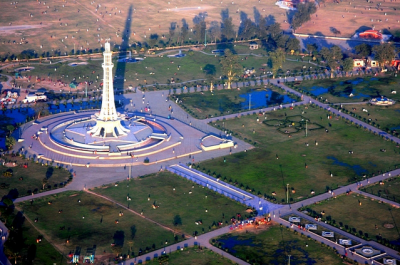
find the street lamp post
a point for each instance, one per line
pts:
(289, 259)
(287, 194)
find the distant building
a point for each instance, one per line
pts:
(289, 4)
(253, 46)
(371, 34)
(89, 257)
(396, 63)
(358, 62)
(371, 62)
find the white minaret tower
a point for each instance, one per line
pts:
(108, 120)
(108, 112)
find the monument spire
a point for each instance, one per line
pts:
(108, 121)
(108, 111)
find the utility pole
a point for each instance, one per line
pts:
(86, 89)
(205, 37)
(287, 197)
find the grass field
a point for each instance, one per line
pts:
(390, 190)
(24, 181)
(278, 159)
(193, 256)
(385, 118)
(357, 213)
(89, 221)
(363, 88)
(274, 245)
(44, 253)
(188, 200)
(152, 70)
(207, 104)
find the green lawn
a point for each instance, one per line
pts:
(274, 245)
(92, 222)
(390, 190)
(25, 244)
(363, 88)
(207, 104)
(357, 213)
(190, 207)
(24, 181)
(385, 118)
(153, 70)
(192, 256)
(278, 160)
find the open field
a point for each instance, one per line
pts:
(87, 221)
(386, 118)
(193, 256)
(24, 181)
(48, 23)
(349, 17)
(390, 190)
(278, 159)
(338, 90)
(356, 213)
(274, 245)
(174, 196)
(152, 70)
(25, 244)
(207, 104)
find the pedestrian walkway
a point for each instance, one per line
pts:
(262, 206)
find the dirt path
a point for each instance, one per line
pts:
(132, 211)
(56, 246)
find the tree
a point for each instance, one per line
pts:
(44, 182)
(8, 202)
(200, 31)
(172, 30)
(247, 29)
(262, 28)
(153, 40)
(184, 32)
(274, 29)
(303, 14)
(312, 48)
(227, 31)
(230, 66)
(348, 65)
(10, 128)
(210, 71)
(133, 231)
(292, 44)
(214, 30)
(177, 220)
(385, 52)
(40, 108)
(364, 50)
(280, 40)
(10, 142)
(276, 60)
(332, 56)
